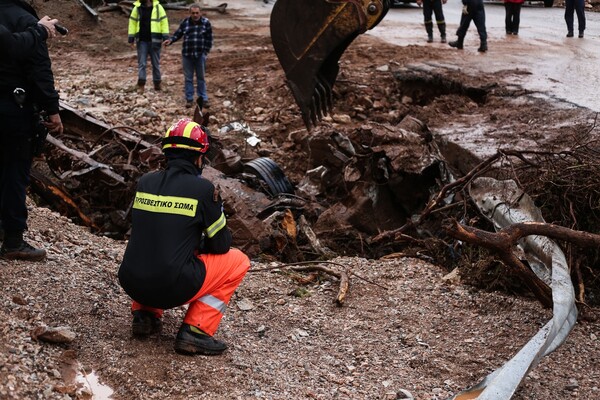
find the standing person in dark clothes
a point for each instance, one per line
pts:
(472, 11)
(148, 28)
(197, 34)
(180, 246)
(26, 85)
(571, 7)
(513, 16)
(434, 7)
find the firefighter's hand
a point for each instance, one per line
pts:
(48, 23)
(54, 124)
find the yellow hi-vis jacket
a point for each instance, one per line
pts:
(159, 24)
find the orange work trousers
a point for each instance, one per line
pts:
(224, 273)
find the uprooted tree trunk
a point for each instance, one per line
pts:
(503, 241)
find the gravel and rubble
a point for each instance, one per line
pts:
(415, 330)
(425, 333)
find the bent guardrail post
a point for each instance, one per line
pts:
(504, 204)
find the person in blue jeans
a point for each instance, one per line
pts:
(572, 6)
(148, 28)
(197, 42)
(472, 11)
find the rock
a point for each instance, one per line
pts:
(383, 68)
(342, 118)
(245, 305)
(60, 334)
(404, 394)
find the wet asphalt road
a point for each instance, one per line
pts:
(558, 67)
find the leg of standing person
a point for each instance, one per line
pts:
(155, 59)
(439, 19)
(516, 18)
(142, 51)
(16, 129)
(201, 81)
(461, 32)
(188, 78)
(427, 12)
(508, 17)
(580, 10)
(479, 20)
(569, 10)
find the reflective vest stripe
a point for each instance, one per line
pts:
(216, 226)
(213, 302)
(187, 132)
(165, 204)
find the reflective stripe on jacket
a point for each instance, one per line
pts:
(159, 23)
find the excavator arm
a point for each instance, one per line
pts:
(309, 37)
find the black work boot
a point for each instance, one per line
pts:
(429, 29)
(24, 251)
(145, 323)
(482, 47)
(15, 248)
(457, 44)
(442, 29)
(157, 86)
(191, 340)
(140, 86)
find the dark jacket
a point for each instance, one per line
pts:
(21, 45)
(176, 215)
(35, 73)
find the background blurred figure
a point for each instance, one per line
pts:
(148, 27)
(513, 16)
(434, 7)
(572, 6)
(197, 34)
(472, 11)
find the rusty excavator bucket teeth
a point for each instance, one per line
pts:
(309, 37)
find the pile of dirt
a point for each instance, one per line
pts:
(404, 326)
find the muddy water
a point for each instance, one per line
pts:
(560, 67)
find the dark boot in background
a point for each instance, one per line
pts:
(482, 47)
(442, 29)
(429, 29)
(458, 43)
(157, 86)
(15, 248)
(140, 86)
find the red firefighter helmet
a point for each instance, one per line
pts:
(186, 134)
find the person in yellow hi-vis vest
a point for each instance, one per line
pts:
(148, 28)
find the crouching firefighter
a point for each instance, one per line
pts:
(179, 250)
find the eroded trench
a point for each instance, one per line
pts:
(357, 182)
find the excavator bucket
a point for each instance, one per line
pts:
(309, 37)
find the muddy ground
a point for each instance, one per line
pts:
(403, 327)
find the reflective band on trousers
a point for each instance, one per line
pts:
(213, 302)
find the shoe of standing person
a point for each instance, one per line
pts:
(22, 251)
